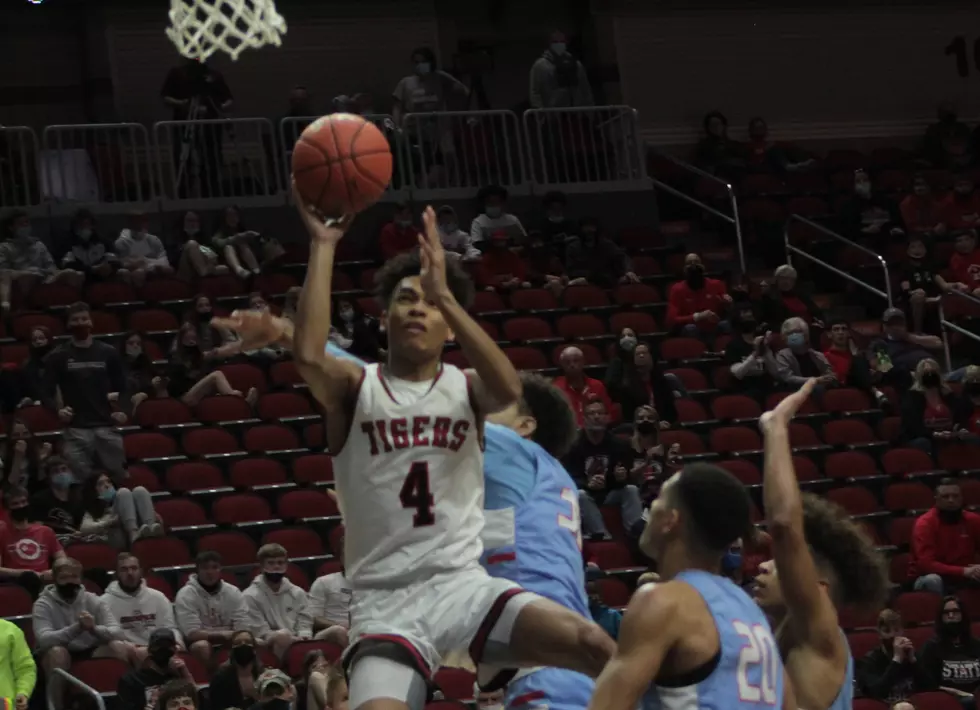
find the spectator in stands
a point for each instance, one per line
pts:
(968, 406)
(330, 599)
(278, 610)
(650, 463)
(544, 268)
(947, 142)
(140, 253)
(25, 262)
(322, 687)
(241, 247)
(426, 89)
(353, 331)
(782, 300)
(898, 354)
(597, 462)
(922, 286)
(140, 609)
(143, 378)
(18, 673)
(501, 269)
(216, 343)
(72, 623)
(928, 408)
(399, 235)
(300, 113)
(644, 383)
(716, 152)
(233, 685)
(609, 619)
(159, 666)
(208, 609)
(276, 691)
(849, 365)
(945, 543)
(577, 386)
(697, 305)
(745, 353)
(964, 265)
(962, 205)
(922, 212)
(455, 240)
(555, 224)
(118, 517)
(178, 695)
(189, 378)
(798, 361)
(195, 256)
(868, 216)
(952, 657)
(558, 79)
(59, 506)
(196, 90)
(891, 671)
(494, 217)
(89, 375)
(87, 253)
(591, 258)
(27, 550)
(32, 370)
(23, 458)
(764, 155)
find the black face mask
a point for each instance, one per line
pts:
(243, 655)
(931, 379)
(20, 515)
(204, 316)
(694, 276)
(950, 629)
(39, 351)
(951, 516)
(646, 428)
(274, 577)
(161, 656)
(747, 325)
(589, 237)
(68, 591)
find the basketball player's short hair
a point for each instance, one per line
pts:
(556, 429)
(176, 689)
(845, 553)
(271, 551)
(410, 264)
(207, 557)
(717, 507)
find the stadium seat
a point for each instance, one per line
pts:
(690, 410)
(244, 376)
(285, 374)
(900, 531)
(93, 555)
(155, 552)
(193, 476)
(100, 674)
(490, 329)
(691, 378)
(533, 299)
(776, 397)
(274, 283)
(806, 469)
(179, 512)
(39, 419)
(102, 293)
(23, 323)
(614, 592)
(159, 290)
(307, 503)
(235, 548)
(525, 358)
(208, 440)
(105, 323)
(970, 488)
(845, 399)
(959, 457)
(155, 581)
(299, 541)
(849, 464)
(935, 700)
(153, 320)
(488, 302)
(223, 408)
(735, 406)
(630, 295)
(148, 445)
(690, 443)
(608, 555)
(734, 439)
(856, 500)
(313, 468)
(900, 497)
(904, 461)
(744, 470)
(898, 568)
(270, 437)
(847, 432)
(240, 508)
(197, 669)
(802, 435)
(527, 328)
(160, 412)
(455, 683)
(673, 349)
(584, 297)
(293, 661)
(580, 325)
(282, 405)
(315, 435)
(866, 703)
(257, 472)
(640, 323)
(457, 358)
(15, 601)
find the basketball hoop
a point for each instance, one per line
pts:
(199, 28)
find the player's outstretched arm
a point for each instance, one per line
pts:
(789, 695)
(496, 384)
(811, 612)
(648, 631)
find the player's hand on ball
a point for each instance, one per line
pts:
(433, 275)
(257, 329)
(787, 409)
(321, 228)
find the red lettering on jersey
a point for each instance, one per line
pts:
(399, 433)
(382, 432)
(420, 426)
(460, 429)
(368, 428)
(440, 432)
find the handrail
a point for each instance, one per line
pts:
(947, 325)
(85, 688)
(886, 294)
(733, 201)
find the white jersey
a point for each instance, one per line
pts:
(410, 480)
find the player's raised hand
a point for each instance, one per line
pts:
(787, 409)
(257, 329)
(433, 275)
(321, 228)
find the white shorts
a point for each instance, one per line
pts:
(434, 617)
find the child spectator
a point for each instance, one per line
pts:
(922, 213)
(455, 240)
(119, 517)
(59, 506)
(500, 269)
(593, 259)
(962, 206)
(213, 341)
(495, 218)
(23, 458)
(697, 304)
(140, 253)
(208, 609)
(27, 550)
(178, 695)
(399, 235)
(25, 262)
(964, 265)
(557, 228)
(140, 609)
(279, 611)
(234, 683)
(32, 370)
(353, 331)
(143, 379)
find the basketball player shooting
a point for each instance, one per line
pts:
(696, 640)
(821, 560)
(407, 440)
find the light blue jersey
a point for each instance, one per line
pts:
(748, 672)
(846, 694)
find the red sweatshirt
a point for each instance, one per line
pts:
(593, 389)
(943, 548)
(683, 302)
(965, 268)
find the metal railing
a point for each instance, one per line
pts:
(67, 677)
(732, 219)
(452, 154)
(948, 325)
(97, 165)
(18, 167)
(582, 147)
(204, 161)
(791, 249)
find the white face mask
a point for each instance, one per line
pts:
(191, 229)
(347, 314)
(84, 234)
(23, 233)
(557, 47)
(863, 188)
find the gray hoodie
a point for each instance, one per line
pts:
(56, 621)
(140, 613)
(269, 610)
(199, 610)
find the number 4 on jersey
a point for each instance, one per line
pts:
(415, 493)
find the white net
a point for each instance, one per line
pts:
(199, 28)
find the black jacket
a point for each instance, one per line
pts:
(881, 678)
(226, 691)
(136, 687)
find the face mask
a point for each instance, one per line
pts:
(423, 68)
(449, 228)
(22, 233)
(963, 190)
(951, 516)
(556, 218)
(40, 350)
(347, 314)
(795, 340)
(950, 629)
(134, 350)
(646, 428)
(627, 342)
(694, 276)
(594, 428)
(403, 223)
(558, 47)
(20, 515)
(204, 314)
(731, 562)
(191, 229)
(81, 332)
(161, 656)
(63, 479)
(108, 495)
(494, 212)
(273, 577)
(863, 189)
(68, 591)
(588, 236)
(747, 325)
(243, 655)
(915, 254)
(84, 234)
(931, 379)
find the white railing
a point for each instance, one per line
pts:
(948, 326)
(66, 677)
(18, 168)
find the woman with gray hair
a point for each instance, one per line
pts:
(782, 300)
(797, 362)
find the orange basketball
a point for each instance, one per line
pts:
(341, 164)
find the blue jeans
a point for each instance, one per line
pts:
(628, 500)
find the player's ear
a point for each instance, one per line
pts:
(526, 425)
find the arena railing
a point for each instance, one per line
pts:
(203, 162)
(948, 325)
(726, 187)
(585, 148)
(792, 249)
(66, 677)
(103, 167)
(291, 127)
(19, 182)
(452, 154)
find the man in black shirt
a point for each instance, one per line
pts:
(891, 671)
(598, 462)
(745, 354)
(90, 377)
(139, 688)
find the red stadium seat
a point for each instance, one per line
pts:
(105, 323)
(802, 435)
(274, 283)
(629, 295)
(584, 297)
(640, 323)
(527, 328)
(732, 439)
(533, 299)
(102, 293)
(735, 406)
(293, 662)
(15, 601)
(490, 329)
(691, 378)
(900, 497)
(917, 607)
(281, 405)
(488, 302)
(456, 358)
(935, 700)
(153, 320)
(235, 548)
(900, 531)
(970, 488)
(100, 674)
(580, 325)
(645, 265)
(525, 358)
(862, 642)
(142, 476)
(93, 555)
(223, 408)
(745, 471)
(682, 349)
(148, 445)
(305, 504)
(240, 508)
(193, 476)
(208, 440)
(14, 353)
(690, 410)
(23, 323)
(313, 468)
(845, 399)
(806, 469)
(850, 464)
(299, 542)
(614, 592)
(455, 683)
(903, 461)
(158, 290)
(39, 419)
(856, 500)
(159, 412)
(270, 437)
(177, 512)
(608, 555)
(776, 397)
(898, 568)
(689, 442)
(155, 581)
(243, 377)
(890, 428)
(314, 435)
(844, 432)
(257, 472)
(285, 374)
(959, 457)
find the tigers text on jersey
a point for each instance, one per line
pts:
(410, 479)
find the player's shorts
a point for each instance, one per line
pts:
(433, 617)
(549, 689)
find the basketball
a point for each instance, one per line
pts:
(341, 164)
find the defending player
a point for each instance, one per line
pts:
(695, 640)
(820, 560)
(407, 442)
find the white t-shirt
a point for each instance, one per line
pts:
(330, 598)
(484, 227)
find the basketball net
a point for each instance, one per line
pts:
(199, 28)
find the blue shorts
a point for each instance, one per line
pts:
(552, 688)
